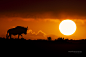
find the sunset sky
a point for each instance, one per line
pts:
(42, 17)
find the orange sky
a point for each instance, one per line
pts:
(41, 28)
(43, 17)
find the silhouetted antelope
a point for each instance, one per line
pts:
(16, 31)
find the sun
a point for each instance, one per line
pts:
(67, 27)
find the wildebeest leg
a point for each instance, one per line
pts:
(18, 36)
(6, 36)
(21, 36)
(10, 36)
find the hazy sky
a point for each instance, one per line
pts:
(42, 17)
(43, 8)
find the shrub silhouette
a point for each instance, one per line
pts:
(49, 38)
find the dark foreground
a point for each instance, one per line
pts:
(10, 47)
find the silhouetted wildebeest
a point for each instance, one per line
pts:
(16, 31)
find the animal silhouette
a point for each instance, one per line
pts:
(16, 31)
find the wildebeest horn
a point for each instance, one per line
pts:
(27, 26)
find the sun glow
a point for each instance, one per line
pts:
(67, 27)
